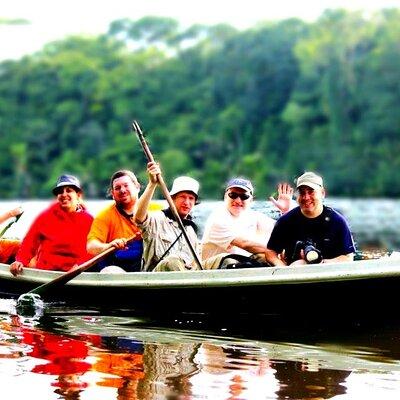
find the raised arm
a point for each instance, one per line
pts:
(153, 170)
(285, 196)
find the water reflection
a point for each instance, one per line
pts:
(94, 356)
(51, 354)
(122, 368)
(234, 371)
(305, 380)
(168, 369)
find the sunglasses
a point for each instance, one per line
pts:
(242, 196)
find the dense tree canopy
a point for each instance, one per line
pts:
(268, 103)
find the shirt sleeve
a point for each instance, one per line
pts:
(99, 229)
(30, 244)
(347, 243)
(276, 241)
(148, 226)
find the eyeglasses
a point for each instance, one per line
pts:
(242, 196)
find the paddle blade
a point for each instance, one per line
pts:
(29, 305)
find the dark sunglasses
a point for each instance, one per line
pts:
(242, 196)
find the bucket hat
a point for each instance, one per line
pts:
(67, 180)
(185, 184)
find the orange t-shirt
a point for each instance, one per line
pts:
(109, 224)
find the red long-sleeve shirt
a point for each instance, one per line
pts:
(57, 238)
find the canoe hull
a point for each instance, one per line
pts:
(364, 288)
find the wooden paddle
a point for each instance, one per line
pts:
(75, 271)
(165, 191)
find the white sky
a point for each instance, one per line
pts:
(55, 19)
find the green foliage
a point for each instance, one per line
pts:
(266, 103)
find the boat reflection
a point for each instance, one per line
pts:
(94, 356)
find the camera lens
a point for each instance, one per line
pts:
(311, 255)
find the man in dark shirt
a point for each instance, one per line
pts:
(312, 223)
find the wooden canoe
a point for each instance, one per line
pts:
(366, 287)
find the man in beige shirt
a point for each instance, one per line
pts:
(165, 247)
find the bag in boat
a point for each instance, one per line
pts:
(237, 261)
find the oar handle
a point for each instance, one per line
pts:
(142, 141)
(165, 191)
(75, 271)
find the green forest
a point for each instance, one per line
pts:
(267, 103)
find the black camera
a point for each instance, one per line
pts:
(311, 254)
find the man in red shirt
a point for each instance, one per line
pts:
(56, 239)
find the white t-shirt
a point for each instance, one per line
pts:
(222, 228)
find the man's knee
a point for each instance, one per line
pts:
(171, 263)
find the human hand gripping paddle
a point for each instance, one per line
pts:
(165, 191)
(13, 221)
(32, 298)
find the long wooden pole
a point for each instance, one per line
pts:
(165, 191)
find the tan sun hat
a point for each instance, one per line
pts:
(311, 180)
(185, 184)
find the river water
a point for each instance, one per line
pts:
(90, 354)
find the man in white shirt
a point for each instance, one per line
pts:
(237, 229)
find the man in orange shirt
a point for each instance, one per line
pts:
(114, 225)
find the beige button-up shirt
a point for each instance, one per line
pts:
(159, 232)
